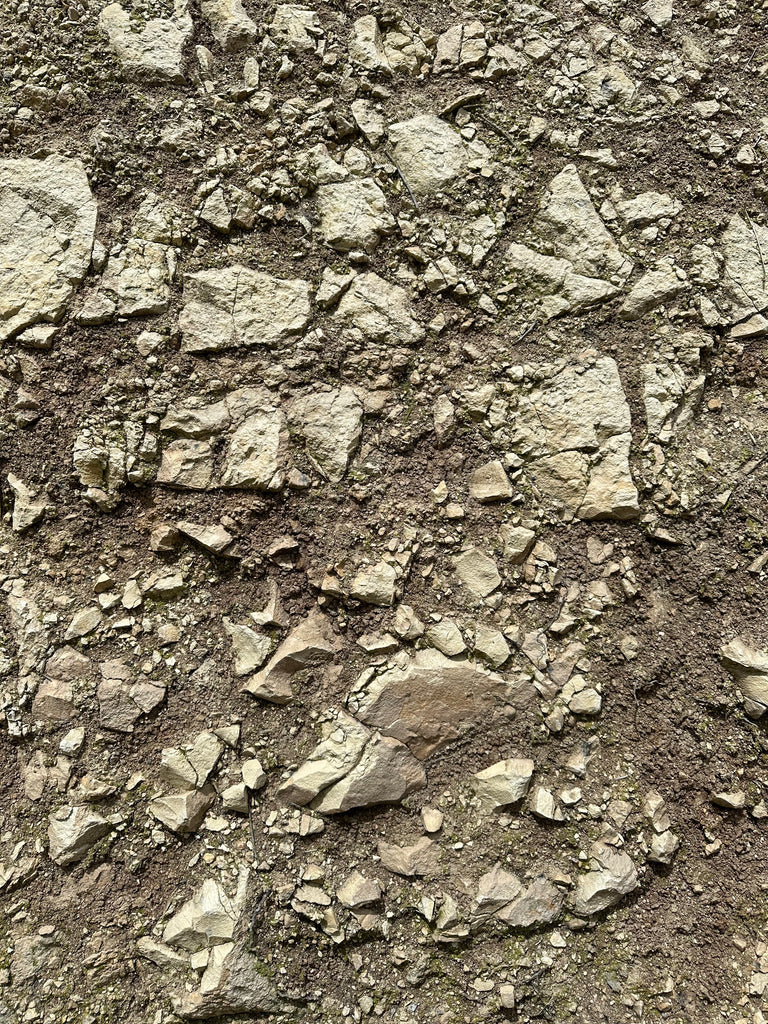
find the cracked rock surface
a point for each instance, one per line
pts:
(383, 512)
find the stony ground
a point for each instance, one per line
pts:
(384, 520)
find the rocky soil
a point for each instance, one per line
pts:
(383, 511)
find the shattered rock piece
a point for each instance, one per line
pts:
(366, 46)
(428, 700)
(612, 876)
(478, 572)
(47, 228)
(359, 891)
(295, 28)
(352, 767)
(183, 812)
(503, 783)
(73, 832)
(353, 214)
(331, 424)
(543, 804)
(490, 483)
(422, 858)
(647, 207)
(206, 920)
(212, 538)
(749, 668)
(232, 985)
(154, 53)
(429, 152)
(232, 28)
(26, 511)
(236, 307)
(380, 310)
(311, 643)
(190, 766)
(122, 701)
(251, 649)
(654, 288)
(540, 903)
(375, 584)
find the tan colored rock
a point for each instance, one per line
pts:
(353, 214)
(47, 226)
(310, 644)
(154, 52)
(430, 153)
(359, 891)
(183, 812)
(428, 700)
(422, 858)
(331, 424)
(490, 483)
(213, 538)
(503, 783)
(478, 572)
(73, 832)
(208, 919)
(749, 668)
(538, 904)
(375, 584)
(612, 876)
(379, 310)
(232, 28)
(251, 649)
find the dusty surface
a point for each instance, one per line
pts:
(383, 473)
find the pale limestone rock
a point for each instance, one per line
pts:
(430, 153)
(574, 426)
(670, 397)
(612, 876)
(428, 700)
(187, 464)
(379, 310)
(212, 538)
(543, 804)
(516, 541)
(749, 668)
(331, 424)
(236, 307)
(47, 226)
(565, 290)
(490, 645)
(490, 483)
(503, 783)
(251, 649)
(446, 636)
(254, 776)
(73, 832)
(123, 700)
(648, 207)
(83, 622)
(375, 584)
(359, 891)
(496, 889)
(658, 11)
(295, 28)
(137, 280)
(422, 858)
(403, 48)
(155, 52)
(206, 920)
(183, 812)
(311, 643)
(539, 903)
(215, 212)
(190, 766)
(369, 120)
(745, 281)
(654, 289)
(407, 624)
(478, 572)
(255, 457)
(353, 214)
(608, 85)
(231, 26)
(231, 985)
(26, 510)
(569, 218)
(353, 767)
(366, 46)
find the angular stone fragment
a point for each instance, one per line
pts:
(183, 812)
(490, 483)
(295, 28)
(155, 52)
(422, 858)
(428, 700)
(612, 876)
(47, 226)
(517, 541)
(503, 783)
(26, 511)
(647, 208)
(311, 643)
(206, 920)
(73, 832)
(233, 985)
(187, 464)
(212, 538)
(429, 152)
(375, 584)
(123, 699)
(255, 456)
(137, 279)
(251, 649)
(538, 904)
(478, 572)
(359, 891)
(232, 28)
(353, 214)
(366, 46)
(496, 889)
(190, 766)
(565, 290)
(331, 424)
(749, 668)
(574, 425)
(353, 767)
(542, 803)
(654, 288)
(53, 701)
(236, 307)
(379, 310)
(568, 216)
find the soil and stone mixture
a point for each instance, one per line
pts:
(383, 511)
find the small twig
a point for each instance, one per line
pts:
(463, 101)
(749, 59)
(497, 128)
(403, 179)
(528, 330)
